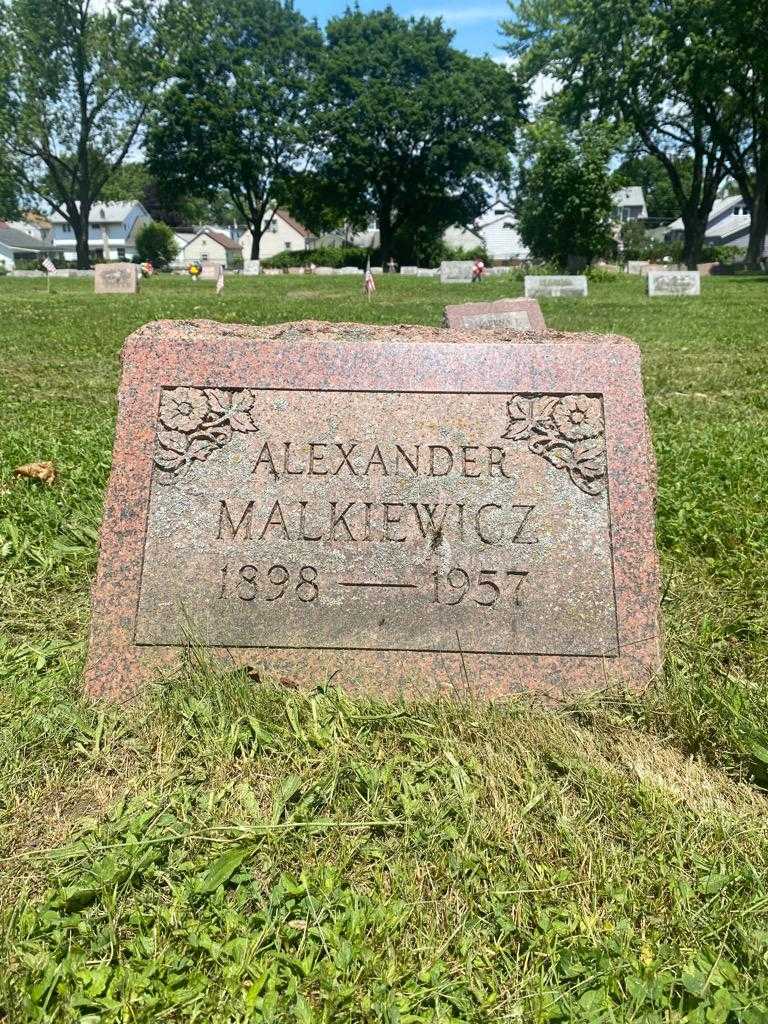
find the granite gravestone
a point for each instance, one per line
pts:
(638, 266)
(456, 271)
(399, 508)
(251, 268)
(552, 286)
(116, 278)
(409, 271)
(674, 282)
(513, 314)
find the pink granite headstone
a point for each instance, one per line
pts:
(506, 314)
(116, 278)
(396, 508)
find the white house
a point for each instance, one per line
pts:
(112, 230)
(496, 230)
(728, 224)
(629, 204)
(210, 246)
(18, 245)
(283, 234)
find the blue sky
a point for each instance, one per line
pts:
(476, 25)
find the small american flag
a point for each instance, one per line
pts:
(369, 285)
(48, 266)
(220, 281)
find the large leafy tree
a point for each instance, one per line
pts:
(75, 86)
(237, 113)
(737, 102)
(10, 190)
(564, 193)
(645, 65)
(649, 173)
(414, 132)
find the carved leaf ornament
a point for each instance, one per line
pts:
(569, 432)
(194, 422)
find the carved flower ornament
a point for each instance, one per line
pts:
(195, 422)
(569, 432)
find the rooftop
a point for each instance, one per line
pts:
(630, 196)
(104, 213)
(20, 239)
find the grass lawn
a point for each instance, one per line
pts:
(222, 851)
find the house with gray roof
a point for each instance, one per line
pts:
(728, 224)
(18, 245)
(112, 231)
(629, 204)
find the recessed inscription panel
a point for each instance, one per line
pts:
(373, 520)
(518, 321)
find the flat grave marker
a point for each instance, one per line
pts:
(116, 278)
(673, 282)
(556, 286)
(512, 314)
(399, 508)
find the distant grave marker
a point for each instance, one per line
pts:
(456, 271)
(674, 282)
(389, 507)
(556, 286)
(116, 278)
(510, 314)
(638, 266)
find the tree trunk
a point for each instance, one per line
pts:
(386, 233)
(80, 228)
(255, 240)
(695, 230)
(759, 223)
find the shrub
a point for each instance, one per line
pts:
(344, 256)
(155, 242)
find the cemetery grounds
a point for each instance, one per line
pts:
(228, 849)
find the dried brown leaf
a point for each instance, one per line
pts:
(45, 472)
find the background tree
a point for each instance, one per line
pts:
(236, 115)
(737, 83)
(649, 173)
(645, 65)
(10, 190)
(156, 242)
(414, 133)
(565, 194)
(75, 85)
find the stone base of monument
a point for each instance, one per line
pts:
(509, 314)
(251, 268)
(396, 509)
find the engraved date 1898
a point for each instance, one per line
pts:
(270, 584)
